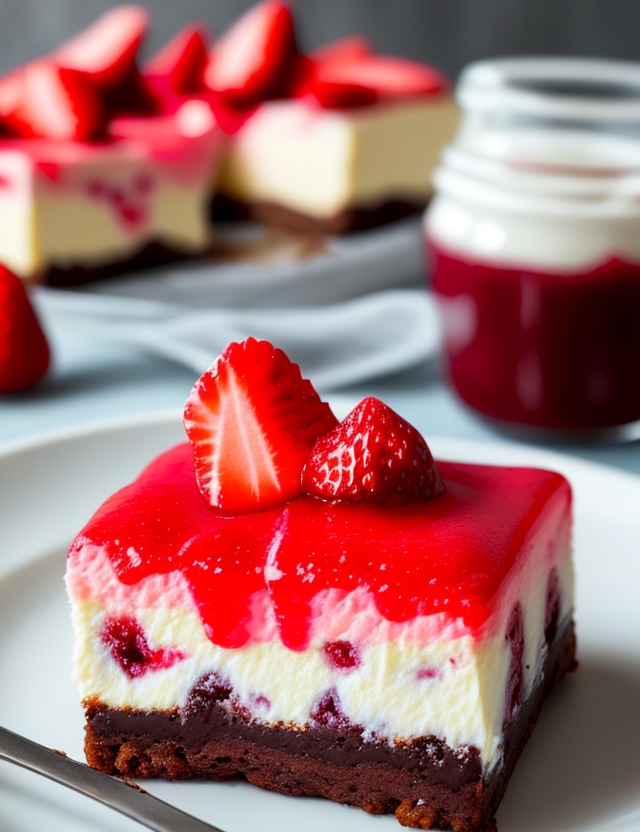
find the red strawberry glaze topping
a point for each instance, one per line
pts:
(77, 92)
(447, 555)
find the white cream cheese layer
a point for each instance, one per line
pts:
(320, 162)
(427, 676)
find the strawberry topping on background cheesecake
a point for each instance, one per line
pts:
(96, 167)
(105, 165)
(333, 141)
(320, 607)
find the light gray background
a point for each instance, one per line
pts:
(447, 33)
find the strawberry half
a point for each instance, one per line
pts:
(24, 352)
(107, 49)
(49, 101)
(251, 60)
(334, 95)
(373, 455)
(382, 76)
(182, 62)
(252, 420)
(11, 91)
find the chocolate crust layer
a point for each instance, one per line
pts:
(357, 218)
(425, 783)
(156, 254)
(150, 256)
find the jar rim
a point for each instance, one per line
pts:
(454, 182)
(550, 180)
(553, 87)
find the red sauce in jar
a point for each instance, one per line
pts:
(556, 350)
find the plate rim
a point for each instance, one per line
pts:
(171, 416)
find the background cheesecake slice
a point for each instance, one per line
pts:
(306, 167)
(332, 141)
(70, 211)
(98, 167)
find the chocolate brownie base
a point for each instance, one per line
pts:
(425, 783)
(351, 219)
(150, 256)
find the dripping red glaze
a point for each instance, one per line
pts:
(447, 555)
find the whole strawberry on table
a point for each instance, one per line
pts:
(24, 351)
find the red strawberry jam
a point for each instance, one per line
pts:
(552, 350)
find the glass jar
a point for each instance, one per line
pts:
(534, 243)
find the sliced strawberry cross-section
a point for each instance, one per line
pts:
(181, 62)
(251, 60)
(107, 49)
(373, 455)
(252, 420)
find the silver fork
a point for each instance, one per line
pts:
(126, 798)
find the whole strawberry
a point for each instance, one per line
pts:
(24, 352)
(373, 455)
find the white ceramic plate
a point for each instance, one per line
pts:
(277, 269)
(580, 771)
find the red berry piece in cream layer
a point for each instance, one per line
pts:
(341, 655)
(251, 61)
(128, 645)
(252, 420)
(373, 455)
